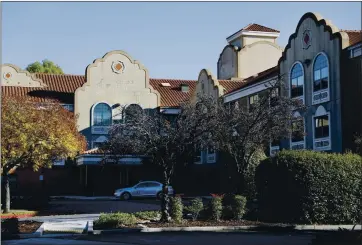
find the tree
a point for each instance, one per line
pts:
(240, 130)
(34, 135)
(164, 140)
(46, 66)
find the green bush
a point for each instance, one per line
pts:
(239, 207)
(310, 187)
(176, 209)
(195, 207)
(148, 215)
(114, 220)
(216, 208)
(249, 175)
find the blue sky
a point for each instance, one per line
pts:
(172, 39)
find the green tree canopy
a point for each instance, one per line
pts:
(46, 66)
(34, 135)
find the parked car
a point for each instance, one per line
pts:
(142, 189)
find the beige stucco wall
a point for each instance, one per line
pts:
(208, 85)
(130, 85)
(12, 75)
(247, 40)
(228, 63)
(257, 57)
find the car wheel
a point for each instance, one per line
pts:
(159, 195)
(126, 196)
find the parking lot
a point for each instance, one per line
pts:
(98, 206)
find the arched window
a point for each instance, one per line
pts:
(297, 139)
(320, 73)
(297, 81)
(132, 112)
(102, 115)
(321, 124)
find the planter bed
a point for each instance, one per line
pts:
(253, 225)
(23, 227)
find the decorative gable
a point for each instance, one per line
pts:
(12, 75)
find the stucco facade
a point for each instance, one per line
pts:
(315, 36)
(115, 79)
(241, 58)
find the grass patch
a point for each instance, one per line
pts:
(148, 215)
(115, 220)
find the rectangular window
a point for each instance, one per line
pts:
(321, 129)
(297, 130)
(274, 97)
(297, 87)
(252, 100)
(356, 52)
(197, 154)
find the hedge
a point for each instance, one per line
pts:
(310, 187)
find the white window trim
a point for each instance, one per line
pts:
(302, 98)
(302, 142)
(272, 149)
(210, 155)
(353, 48)
(321, 111)
(315, 102)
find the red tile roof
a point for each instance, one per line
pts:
(271, 72)
(172, 95)
(62, 88)
(230, 85)
(255, 27)
(355, 36)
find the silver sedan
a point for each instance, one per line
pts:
(142, 189)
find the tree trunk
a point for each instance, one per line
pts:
(7, 193)
(165, 199)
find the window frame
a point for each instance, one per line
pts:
(325, 90)
(297, 116)
(321, 111)
(93, 115)
(301, 97)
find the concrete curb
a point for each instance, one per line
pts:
(226, 229)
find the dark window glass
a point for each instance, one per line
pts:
(153, 185)
(252, 100)
(132, 112)
(297, 130)
(297, 80)
(321, 129)
(102, 115)
(320, 71)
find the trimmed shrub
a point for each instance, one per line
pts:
(148, 215)
(176, 209)
(249, 175)
(239, 207)
(216, 208)
(310, 187)
(195, 207)
(114, 220)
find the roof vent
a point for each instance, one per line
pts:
(165, 85)
(185, 88)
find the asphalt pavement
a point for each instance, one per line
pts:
(175, 238)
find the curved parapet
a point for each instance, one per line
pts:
(11, 75)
